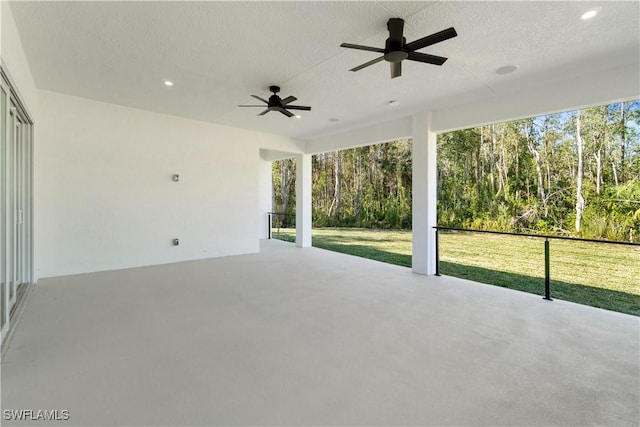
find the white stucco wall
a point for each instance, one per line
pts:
(106, 199)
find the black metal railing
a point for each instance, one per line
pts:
(278, 220)
(547, 238)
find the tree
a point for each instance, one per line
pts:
(571, 173)
(579, 175)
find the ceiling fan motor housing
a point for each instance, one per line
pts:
(394, 51)
(274, 100)
(397, 49)
(394, 46)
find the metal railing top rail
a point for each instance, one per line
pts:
(541, 236)
(281, 213)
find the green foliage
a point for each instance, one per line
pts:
(521, 175)
(514, 176)
(284, 184)
(363, 187)
(615, 214)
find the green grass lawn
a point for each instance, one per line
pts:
(600, 275)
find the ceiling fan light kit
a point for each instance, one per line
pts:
(397, 49)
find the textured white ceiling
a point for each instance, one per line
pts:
(218, 53)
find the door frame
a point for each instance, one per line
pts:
(16, 183)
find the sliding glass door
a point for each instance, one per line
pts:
(4, 126)
(16, 215)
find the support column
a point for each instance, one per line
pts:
(424, 194)
(266, 197)
(303, 200)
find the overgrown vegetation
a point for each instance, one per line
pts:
(363, 187)
(574, 173)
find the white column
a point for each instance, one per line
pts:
(266, 197)
(424, 195)
(303, 200)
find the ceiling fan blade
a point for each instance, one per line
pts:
(396, 69)
(360, 47)
(250, 105)
(288, 99)
(366, 64)
(298, 107)
(429, 59)
(265, 111)
(263, 100)
(432, 39)
(396, 28)
(285, 112)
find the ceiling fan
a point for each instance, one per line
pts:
(397, 49)
(276, 104)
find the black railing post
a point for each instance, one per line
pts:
(437, 254)
(280, 222)
(269, 224)
(547, 280)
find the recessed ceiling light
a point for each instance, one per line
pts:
(507, 69)
(589, 14)
(333, 119)
(298, 116)
(168, 83)
(393, 103)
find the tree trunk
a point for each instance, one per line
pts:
(579, 173)
(284, 185)
(358, 181)
(623, 139)
(548, 158)
(325, 198)
(540, 183)
(335, 204)
(502, 171)
(477, 176)
(492, 158)
(598, 157)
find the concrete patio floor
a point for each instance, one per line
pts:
(309, 337)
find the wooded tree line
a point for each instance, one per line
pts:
(361, 187)
(574, 173)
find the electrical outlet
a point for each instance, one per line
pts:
(176, 242)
